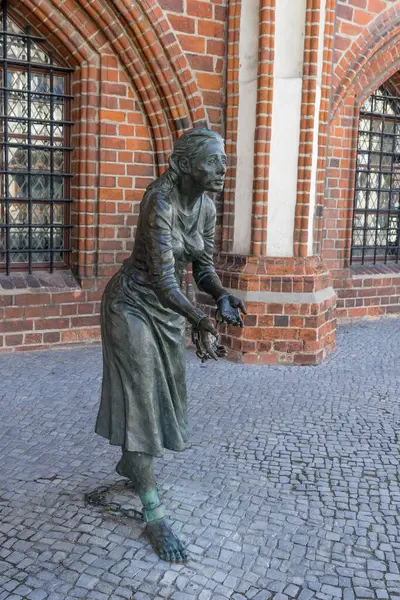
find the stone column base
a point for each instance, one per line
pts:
(291, 309)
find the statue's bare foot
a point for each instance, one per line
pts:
(164, 542)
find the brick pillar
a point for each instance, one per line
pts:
(287, 289)
(291, 309)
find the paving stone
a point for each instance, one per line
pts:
(37, 595)
(333, 591)
(22, 590)
(362, 592)
(9, 585)
(288, 488)
(87, 581)
(291, 590)
(306, 595)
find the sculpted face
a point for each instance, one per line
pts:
(208, 169)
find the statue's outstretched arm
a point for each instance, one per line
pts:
(207, 280)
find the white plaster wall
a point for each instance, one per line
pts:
(248, 67)
(290, 24)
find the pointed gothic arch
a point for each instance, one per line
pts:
(144, 43)
(371, 59)
(138, 36)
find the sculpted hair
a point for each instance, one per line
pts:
(187, 146)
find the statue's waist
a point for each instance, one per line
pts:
(144, 277)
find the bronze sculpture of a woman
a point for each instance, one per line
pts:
(143, 405)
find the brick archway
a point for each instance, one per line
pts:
(89, 36)
(151, 54)
(176, 66)
(369, 60)
(342, 151)
(147, 47)
(372, 59)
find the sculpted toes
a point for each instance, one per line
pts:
(165, 543)
(163, 555)
(177, 555)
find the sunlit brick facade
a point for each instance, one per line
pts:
(285, 83)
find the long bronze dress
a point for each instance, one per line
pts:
(143, 402)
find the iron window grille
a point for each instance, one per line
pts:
(376, 215)
(34, 153)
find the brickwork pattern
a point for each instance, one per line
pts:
(125, 167)
(200, 28)
(140, 79)
(369, 56)
(318, 46)
(368, 291)
(353, 22)
(42, 310)
(231, 126)
(288, 489)
(279, 331)
(263, 127)
(263, 124)
(146, 71)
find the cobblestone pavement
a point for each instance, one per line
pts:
(289, 487)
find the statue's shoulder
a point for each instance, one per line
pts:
(158, 199)
(156, 208)
(209, 207)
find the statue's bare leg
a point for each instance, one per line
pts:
(121, 469)
(138, 467)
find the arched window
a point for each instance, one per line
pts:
(376, 217)
(35, 153)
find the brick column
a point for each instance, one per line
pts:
(287, 288)
(291, 309)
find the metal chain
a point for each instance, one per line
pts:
(98, 498)
(200, 351)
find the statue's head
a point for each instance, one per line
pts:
(200, 155)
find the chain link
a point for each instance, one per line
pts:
(213, 341)
(200, 351)
(98, 498)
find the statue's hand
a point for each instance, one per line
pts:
(207, 332)
(229, 308)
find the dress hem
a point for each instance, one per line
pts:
(139, 449)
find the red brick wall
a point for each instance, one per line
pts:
(123, 165)
(231, 128)
(200, 27)
(317, 70)
(139, 81)
(352, 18)
(159, 68)
(263, 123)
(263, 127)
(296, 325)
(366, 55)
